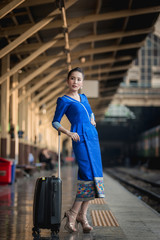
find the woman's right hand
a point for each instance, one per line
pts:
(75, 137)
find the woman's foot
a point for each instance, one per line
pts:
(71, 220)
(81, 218)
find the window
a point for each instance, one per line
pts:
(134, 82)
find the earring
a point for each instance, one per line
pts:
(81, 87)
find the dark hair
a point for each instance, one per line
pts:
(77, 69)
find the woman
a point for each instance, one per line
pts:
(86, 148)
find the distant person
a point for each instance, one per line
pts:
(45, 157)
(86, 148)
(31, 159)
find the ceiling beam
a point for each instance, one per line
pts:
(102, 61)
(31, 57)
(48, 89)
(28, 3)
(110, 36)
(97, 62)
(36, 27)
(83, 20)
(90, 63)
(51, 69)
(114, 15)
(40, 83)
(37, 72)
(47, 98)
(115, 76)
(41, 59)
(74, 55)
(107, 69)
(86, 39)
(105, 49)
(27, 60)
(9, 7)
(33, 75)
(106, 89)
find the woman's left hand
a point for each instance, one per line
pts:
(93, 122)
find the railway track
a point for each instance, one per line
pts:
(146, 190)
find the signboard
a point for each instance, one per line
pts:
(91, 88)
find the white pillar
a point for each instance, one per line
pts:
(15, 114)
(5, 150)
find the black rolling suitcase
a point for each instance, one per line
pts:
(47, 202)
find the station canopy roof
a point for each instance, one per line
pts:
(104, 38)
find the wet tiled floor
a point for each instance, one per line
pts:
(16, 203)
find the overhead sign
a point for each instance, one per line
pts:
(91, 88)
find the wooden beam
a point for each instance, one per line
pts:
(48, 89)
(66, 36)
(81, 65)
(114, 15)
(36, 27)
(28, 3)
(87, 52)
(34, 74)
(74, 55)
(109, 88)
(49, 70)
(9, 7)
(33, 56)
(40, 70)
(27, 48)
(40, 83)
(115, 76)
(89, 38)
(108, 69)
(84, 19)
(97, 62)
(27, 60)
(102, 62)
(41, 59)
(50, 104)
(109, 36)
(46, 99)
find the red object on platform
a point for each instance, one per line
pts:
(5, 171)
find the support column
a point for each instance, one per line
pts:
(14, 122)
(28, 121)
(28, 128)
(5, 151)
(21, 120)
(36, 138)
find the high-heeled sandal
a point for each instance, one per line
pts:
(70, 222)
(81, 218)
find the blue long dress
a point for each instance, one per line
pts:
(87, 150)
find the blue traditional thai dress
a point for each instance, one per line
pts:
(87, 150)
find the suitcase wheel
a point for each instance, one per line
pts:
(54, 235)
(55, 230)
(36, 232)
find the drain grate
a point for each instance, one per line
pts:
(98, 201)
(103, 218)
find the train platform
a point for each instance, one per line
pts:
(119, 216)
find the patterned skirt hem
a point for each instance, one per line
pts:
(88, 190)
(84, 199)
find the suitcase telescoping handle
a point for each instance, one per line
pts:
(59, 154)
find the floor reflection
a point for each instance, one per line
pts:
(68, 236)
(47, 238)
(16, 210)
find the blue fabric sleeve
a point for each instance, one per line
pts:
(56, 125)
(60, 111)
